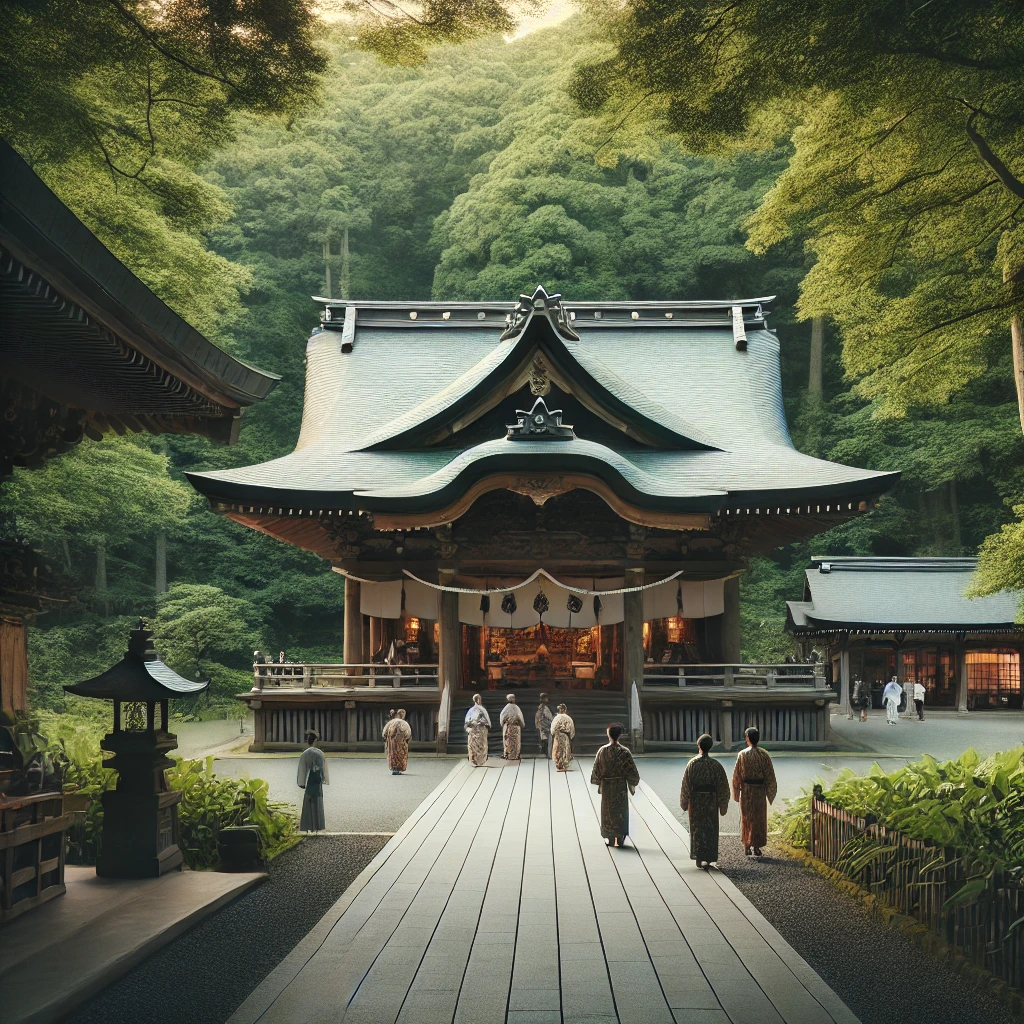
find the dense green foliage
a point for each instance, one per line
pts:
(474, 175)
(970, 806)
(209, 802)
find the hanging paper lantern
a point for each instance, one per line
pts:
(597, 608)
(508, 606)
(575, 606)
(541, 603)
(485, 603)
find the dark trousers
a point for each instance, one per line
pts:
(919, 704)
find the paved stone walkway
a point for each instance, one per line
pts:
(498, 901)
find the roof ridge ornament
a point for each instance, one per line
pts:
(540, 424)
(550, 305)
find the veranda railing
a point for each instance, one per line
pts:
(918, 879)
(307, 676)
(764, 677)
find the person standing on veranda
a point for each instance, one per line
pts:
(512, 725)
(542, 723)
(563, 732)
(478, 724)
(919, 693)
(312, 778)
(616, 777)
(753, 788)
(704, 795)
(397, 733)
(892, 696)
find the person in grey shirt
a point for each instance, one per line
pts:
(312, 778)
(542, 723)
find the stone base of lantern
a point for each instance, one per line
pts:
(141, 838)
(140, 835)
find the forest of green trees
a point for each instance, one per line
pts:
(488, 168)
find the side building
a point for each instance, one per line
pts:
(542, 495)
(85, 349)
(908, 618)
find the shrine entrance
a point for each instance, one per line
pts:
(542, 657)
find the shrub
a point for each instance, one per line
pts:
(209, 802)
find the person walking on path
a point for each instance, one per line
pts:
(616, 777)
(862, 698)
(311, 779)
(563, 732)
(919, 693)
(478, 724)
(892, 696)
(542, 723)
(397, 733)
(753, 788)
(512, 725)
(704, 795)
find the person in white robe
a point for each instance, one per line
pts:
(478, 725)
(512, 724)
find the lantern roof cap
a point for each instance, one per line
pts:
(139, 676)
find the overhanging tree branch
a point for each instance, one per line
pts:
(988, 157)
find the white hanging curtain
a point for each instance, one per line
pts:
(700, 600)
(381, 600)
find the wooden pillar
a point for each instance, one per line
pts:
(961, 676)
(13, 665)
(633, 632)
(353, 641)
(731, 642)
(449, 658)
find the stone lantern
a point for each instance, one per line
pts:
(140, 817)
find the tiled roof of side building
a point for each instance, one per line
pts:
(695, 401)
(897, 593)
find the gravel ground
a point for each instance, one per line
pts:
(203, 976)
(881, 975)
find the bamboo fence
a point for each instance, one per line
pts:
(917, 878)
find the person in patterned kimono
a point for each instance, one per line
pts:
(563, 732)
(397, 733)
(616, 777)
(512, 724)
(753, 788)
(704, 795)
(478, 724)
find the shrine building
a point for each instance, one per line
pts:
(542, 495)
(909, 619)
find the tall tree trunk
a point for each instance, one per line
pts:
(101, 577)
(344, 266)
(954, 512)
(327, 267)
(1017, 344)
(67, 552)
(814, 378)
(161, 562)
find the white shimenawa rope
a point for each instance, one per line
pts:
(519, 586)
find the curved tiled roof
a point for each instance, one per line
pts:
(694, 418)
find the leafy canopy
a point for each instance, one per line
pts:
(909, 136)
(195, 622)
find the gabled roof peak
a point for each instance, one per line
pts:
(539, 302)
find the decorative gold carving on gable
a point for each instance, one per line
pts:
(541, 487)
(540, 379)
